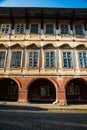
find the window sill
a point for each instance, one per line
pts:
(79, 36)
(14, 68)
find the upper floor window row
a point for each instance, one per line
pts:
(48, 28)
(34, 59)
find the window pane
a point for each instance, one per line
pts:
(34, 28)
(5, 28)
(79, 29)
(67, 59)
(82, 59)
(50, 59)
(19, 28)
(33, 59)
(64, 29)
(49, 29)
(2, 58)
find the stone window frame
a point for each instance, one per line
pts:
(21, 60)
(24, 28)
(33, 23)
(54, 28)
(83, 66)
(64, 23)
(79, 23)
(38, 59)
(4, 29)
(66, 51)
(50, 50)
(4, 50)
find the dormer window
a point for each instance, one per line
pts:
(19, 28)
(5, 28)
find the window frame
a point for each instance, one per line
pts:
(78, 34)
(16, 67)
(49, 66)
(5, 28)
(83, 65)
(32, 58)
(3, 50)
(73, 90)
(12, 90)
(67, 67)
(64, 24)
(48, 31)
(19, 32)
(37, 28)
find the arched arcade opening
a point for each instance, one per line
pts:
(8, 90)
(42, 90)
(76, 91)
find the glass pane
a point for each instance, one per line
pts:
(34, 28)
(2, 58)
(49, 29)
(79, 29)
(64, 29)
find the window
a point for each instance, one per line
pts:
(49, 29)
(79, 29)
(5, 28)
(67, 59)
(12, 90)
(20, 28)
(73, 89)
(34, 28)
(64, 29)
(2, 58)
(33, 59)
(82, 59)
(44, 91)
(49, 59)
(16, 59)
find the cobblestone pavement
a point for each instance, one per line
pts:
(15, 118)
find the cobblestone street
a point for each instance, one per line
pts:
(13, 118)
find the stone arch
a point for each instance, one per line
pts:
(9, 89)
(16, 46)
(33, 46)
(49, 80)
(49, 46)
(81, 47)
(76, 90)
(65, 46)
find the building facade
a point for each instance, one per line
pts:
(43, 55)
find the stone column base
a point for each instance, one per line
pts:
(62, 103)
(55, 102)
(22, 101)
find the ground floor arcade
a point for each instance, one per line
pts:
(62, 90)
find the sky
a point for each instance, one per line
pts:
(44, 3)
